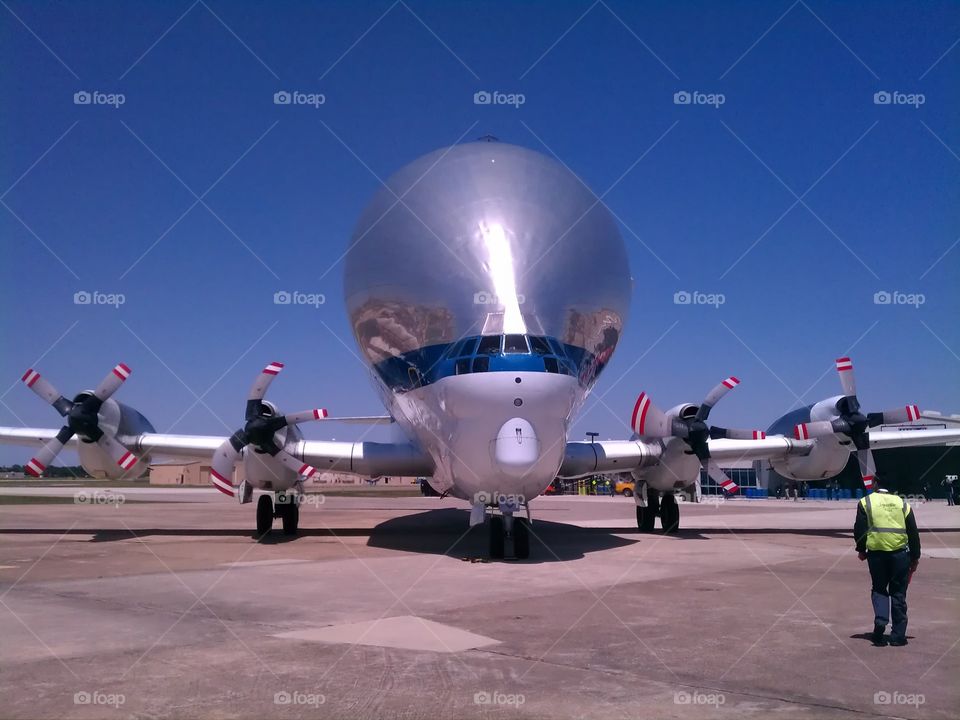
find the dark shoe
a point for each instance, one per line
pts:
(877, 638)
(898, 642)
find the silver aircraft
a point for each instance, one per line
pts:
(487, 288)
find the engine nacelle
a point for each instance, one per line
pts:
(829, 455)
(265, 472)
(121, 421)
(678, 467)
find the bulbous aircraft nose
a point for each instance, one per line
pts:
(516, 448)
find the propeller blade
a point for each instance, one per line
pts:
(114, 379)
(735, 434)
(263, 380)
(847, 381)
(305, 416)
(720, 477)
(820, 428)
(221, 466)
(907, 413)
(714, 396)
(868, 469)
(298, 466)
(48, 452)
(648, 420)
(47, 392)
(123, 457)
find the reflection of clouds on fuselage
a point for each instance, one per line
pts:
(597, 332)
(387, 329)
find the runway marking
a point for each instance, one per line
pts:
(405, 632)
(258, 563)
(8, 567)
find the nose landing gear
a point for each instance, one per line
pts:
(509, 535)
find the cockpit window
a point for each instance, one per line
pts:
(463, 366)
(557, 348)
(489, 345)
(481, 364)
(515, 344)
(539, 345)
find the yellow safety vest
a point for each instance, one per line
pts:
(886, 521)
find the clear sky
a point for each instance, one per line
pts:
(797, 198)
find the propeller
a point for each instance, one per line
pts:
(258, 431)
(649, 421)
(854, 424)
(82, 419)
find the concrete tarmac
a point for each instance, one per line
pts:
(160, 603)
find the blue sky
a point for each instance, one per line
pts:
(104, 198)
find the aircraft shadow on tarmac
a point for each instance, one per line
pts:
(445, 532)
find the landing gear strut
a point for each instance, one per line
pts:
(509, 531)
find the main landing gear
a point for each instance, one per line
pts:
(651, 504)
(287, 508)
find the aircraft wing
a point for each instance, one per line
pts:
(584, 458)
(362, 458)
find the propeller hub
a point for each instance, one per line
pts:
(260, 431)
(83, 417)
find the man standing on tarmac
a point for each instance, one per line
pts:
(887, 538)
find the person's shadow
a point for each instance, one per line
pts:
(869, 637)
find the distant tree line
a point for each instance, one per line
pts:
(54, 471)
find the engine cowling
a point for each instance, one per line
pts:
(829, 455)
(678, 466)
(265, 472)
(122, 421)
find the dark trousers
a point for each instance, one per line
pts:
(889, 572)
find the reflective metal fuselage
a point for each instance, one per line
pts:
(487, 287)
